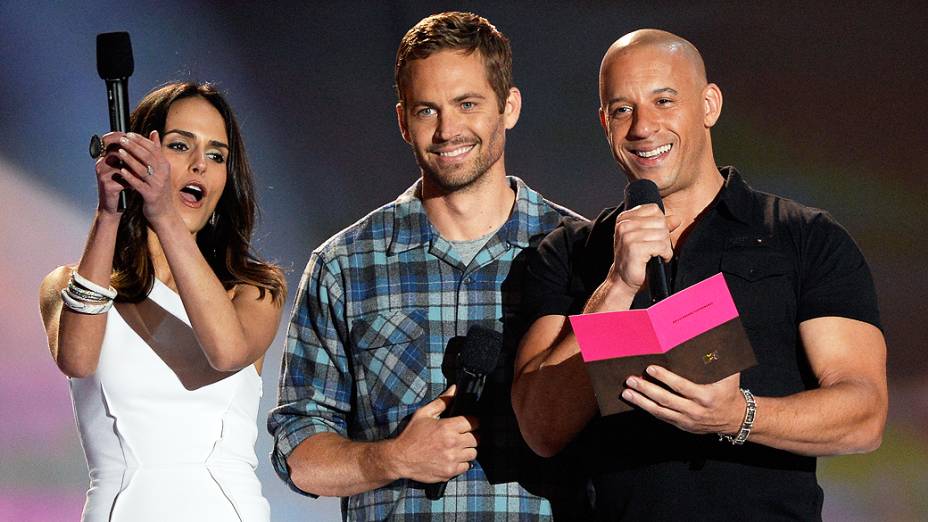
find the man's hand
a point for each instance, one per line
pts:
(641, 233)
(431, 449)
(697, 408)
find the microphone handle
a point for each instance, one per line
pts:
(465, 399)
(118, 101)
(657, 279)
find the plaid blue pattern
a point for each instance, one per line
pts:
(375, 310)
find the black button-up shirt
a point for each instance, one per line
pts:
(784, 263)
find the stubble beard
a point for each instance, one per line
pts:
(461, 177)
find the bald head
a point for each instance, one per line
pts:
(657, 110)
(660, 43)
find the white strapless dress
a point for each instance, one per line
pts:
(166, 437)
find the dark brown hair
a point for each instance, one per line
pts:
(458, 31)
(225, 245)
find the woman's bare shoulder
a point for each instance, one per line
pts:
(52, 285)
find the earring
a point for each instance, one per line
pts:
(213, 232)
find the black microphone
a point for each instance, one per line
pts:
(643, 192)
(476, 359)
(115, 66)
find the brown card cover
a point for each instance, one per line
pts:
(706, 358)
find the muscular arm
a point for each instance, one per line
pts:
(551, 393)
(845, 414)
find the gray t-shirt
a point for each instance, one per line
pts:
(468, 248)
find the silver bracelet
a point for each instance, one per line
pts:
(746, 425)
(84, 307)
(82, 294)
(93, 287)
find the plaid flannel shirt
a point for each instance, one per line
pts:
(374, 313)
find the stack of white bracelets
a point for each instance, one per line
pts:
(86, 297)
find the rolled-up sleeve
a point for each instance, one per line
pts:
(315, 386)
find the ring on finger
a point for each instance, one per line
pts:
(97, 147)
(149, 169)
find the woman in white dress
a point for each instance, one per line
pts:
(163, 324)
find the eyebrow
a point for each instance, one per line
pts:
(660, 90)
(456, 99)
(193, 136)
(468, 95)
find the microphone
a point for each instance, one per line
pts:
(476, 359)
(643, 192)
(115, 66)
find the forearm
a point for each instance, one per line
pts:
(847, 412)
(97, 260)
(843, 418)
(612, 295)
(328, 464)
(212, 315)
(553, 403)
(553, 396)
(79, 336)
(551, 393)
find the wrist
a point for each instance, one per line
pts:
(384, 455)
(741, 433)
(614, 294)
(107, 217)
(162, 224)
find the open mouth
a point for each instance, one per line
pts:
(193, 193)
(653, 153)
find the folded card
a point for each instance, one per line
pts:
(695, 333)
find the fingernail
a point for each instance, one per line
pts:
(631, 382)
(651, 370)
(123, 140)
(122, 152)
(627, 395)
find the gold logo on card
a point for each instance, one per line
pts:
(710, 357)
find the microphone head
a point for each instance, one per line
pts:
(114, 56)
(642, 192)
(481, 349)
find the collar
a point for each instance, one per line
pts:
(412, 228)
(737, 196)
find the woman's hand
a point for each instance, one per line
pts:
(147, 171)
(109, 178)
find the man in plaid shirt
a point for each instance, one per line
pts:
(366, 361)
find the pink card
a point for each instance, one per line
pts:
(655, 330)
(695, 333)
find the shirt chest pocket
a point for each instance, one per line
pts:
(761, 284)
(391, 348)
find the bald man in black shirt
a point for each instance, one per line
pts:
(801, 285)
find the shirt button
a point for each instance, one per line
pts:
(467, 280)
